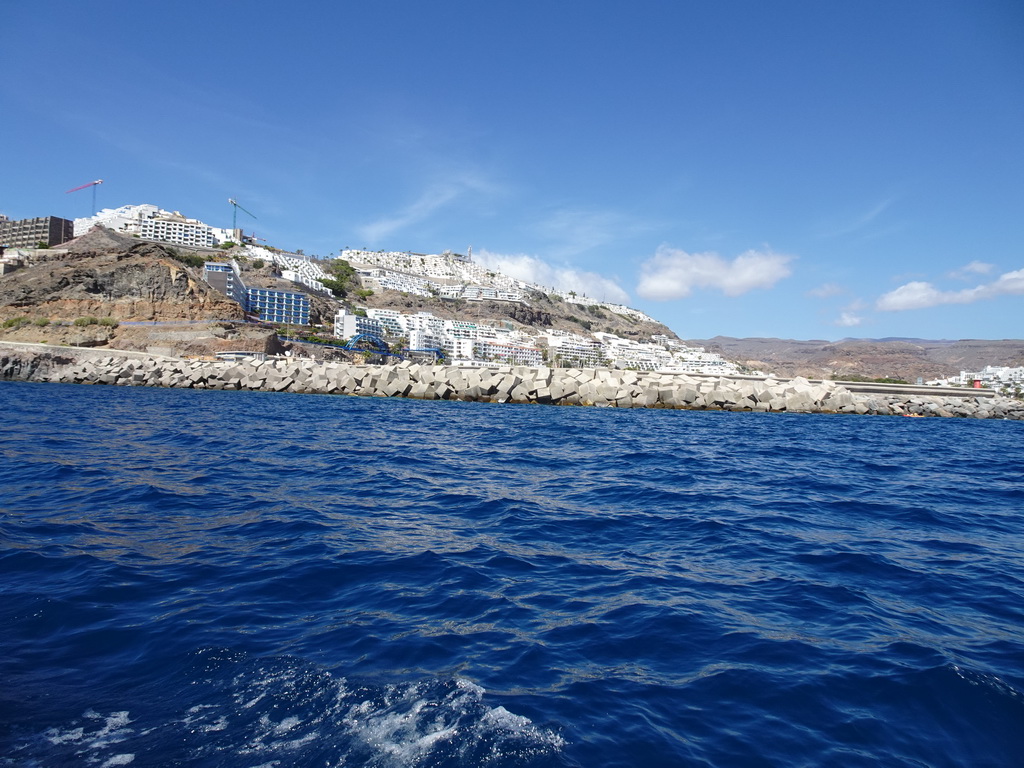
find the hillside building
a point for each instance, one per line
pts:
(226, 279)
(29, 233)
(272, 306)
(347, 325)
(281, 307)
(151, 223)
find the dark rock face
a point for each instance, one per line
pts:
(528, 316)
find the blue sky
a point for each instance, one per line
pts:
(793, 169)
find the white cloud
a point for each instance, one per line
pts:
(674, 274)
(848, 320)
(826, 291)
(969, 270)
(920, 295)
(533, 270)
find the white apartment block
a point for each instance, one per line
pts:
(494, 351)
(569, 350)
(448, 275)
(178, 230)
(347, 325)
(151, 223)
(468, 343)
(298, 269)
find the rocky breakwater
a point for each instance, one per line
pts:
(557, 386)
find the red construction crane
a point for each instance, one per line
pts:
(92, 184)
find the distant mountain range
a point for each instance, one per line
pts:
(903, 358)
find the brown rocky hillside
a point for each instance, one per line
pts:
(906, 359)
(120, 281)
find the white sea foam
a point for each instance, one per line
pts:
(118, 760)
(57, 736)
(285, 712)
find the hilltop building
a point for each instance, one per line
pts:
(151, 223)
(28, 233)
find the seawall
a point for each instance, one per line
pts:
(556, 386)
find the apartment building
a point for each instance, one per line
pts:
(272, 306)
(175, 228)
(29, 233)
(506, 353)
(450, 276)
(152, 223)
(389, 319)
(226, 279)
(283, 307)
(347, 325)
(569, 350)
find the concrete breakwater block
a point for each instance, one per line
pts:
(502, 384)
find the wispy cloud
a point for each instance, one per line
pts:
(849, 226)
(826, 291)
(573, 231)
(570, 231)
(564, 277)
(849, 320)
(921, 295)
(674, 274)
(435, 197)
(969, 271)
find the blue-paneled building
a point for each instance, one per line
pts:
(279, 306)
(272, 306)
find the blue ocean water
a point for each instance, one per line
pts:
(247, 579)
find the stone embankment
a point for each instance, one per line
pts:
(559, 386)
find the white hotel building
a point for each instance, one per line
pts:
(152, 223)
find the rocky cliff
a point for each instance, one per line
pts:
(105, 289)
(116, 277)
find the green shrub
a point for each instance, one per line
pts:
(336, 287)
(16, 322)
(84, 321)
(192, 259)
(108, 321)
(42, 322)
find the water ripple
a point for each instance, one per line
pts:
(243, 579)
